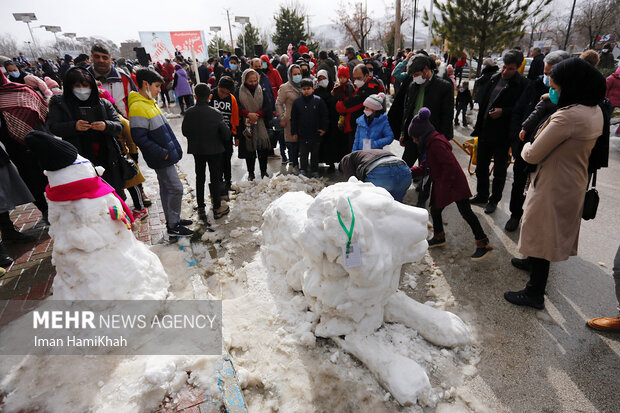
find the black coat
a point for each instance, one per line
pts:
(204, 73)
(537, 67)
(205, 130)
(283, 70)
(482, 82)
(308, 115)
(329, 66)
(524, 107)
(267, 116)
(334, 144)
(498, 130)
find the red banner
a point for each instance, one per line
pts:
(186, 41)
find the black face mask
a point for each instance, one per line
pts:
(305, 73)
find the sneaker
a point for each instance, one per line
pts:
(315, 174)
(139, 214)
(11, 235)
(524, 299)
(482, 251)
(490, 208)
(146, 202)
(186, 222)
(221, 211)
(611, 324)
(438, 240)
(521, 263)
(202, 214)
(512, 225)
(180, 231)
(479, 200)
(5, 259)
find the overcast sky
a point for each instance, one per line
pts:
(120, 20)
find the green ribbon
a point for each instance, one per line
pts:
(349, 231)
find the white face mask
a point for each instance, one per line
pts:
(368, 112)
(359, 83)
(323, 83)
(148, 92)
(82, 93)
(419, 80)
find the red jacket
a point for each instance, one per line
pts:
(438, 161)
(613, 88)
(274, 76)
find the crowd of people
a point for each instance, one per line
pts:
(330, 109)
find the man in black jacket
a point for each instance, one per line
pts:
(421, 89)
(537, 66)
(493, 129)
(207, 135)
(283, 68)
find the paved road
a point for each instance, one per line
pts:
(531, 361)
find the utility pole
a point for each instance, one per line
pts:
(430, 26)
(232, 43)
(570, 22)
(397, 24)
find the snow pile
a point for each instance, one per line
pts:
(94, 254)
(304, 237)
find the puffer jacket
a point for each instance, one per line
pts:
(379, 132)
(613, 88)
(152, 133)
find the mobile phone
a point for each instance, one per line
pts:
(87, 113)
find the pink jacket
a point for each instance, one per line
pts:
(106, 95)
(613, 88)
(38, 84)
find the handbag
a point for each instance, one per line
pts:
(129, 169)
(590, 204)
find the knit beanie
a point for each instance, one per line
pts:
(52, 153)
(322, 72)
(375, 102)
(343, 71)
(420, 124)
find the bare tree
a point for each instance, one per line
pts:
(354, 22)
(596, 18)
(8, 46)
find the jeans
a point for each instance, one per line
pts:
(468, 215)
(396, 179)
(517, 195)
(461, 108)
(171, 194)
(215, 177)
(538, 276)
(293, 153)
(499, 152)
(311, 149)
(188, 100)
(617, 276)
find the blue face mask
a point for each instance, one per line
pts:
(265, 65)
(296, 78)
(14, 74)
(554, 96)
(546, 81)
(233, 66)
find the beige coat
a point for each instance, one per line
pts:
(286, 96)
(554, 202)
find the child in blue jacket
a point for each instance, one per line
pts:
(373, 129)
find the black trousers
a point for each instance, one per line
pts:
(250, 161)
(29, 170)
(227, 166)
(538, 277)
(165, 98)
(498, 151)
(215, 177)
(468, 215)
(312, 149)
(186, 100)
(517, 195)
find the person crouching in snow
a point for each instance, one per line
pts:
(449, 183)
(373, 129)
(207, 137)
(309, 122)
(161, 150)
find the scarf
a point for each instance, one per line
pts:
(258, 137)
(22, 108)
(85, 188)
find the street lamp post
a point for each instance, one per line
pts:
(243, 20)
(216, 29)
(27, 18)
(29, 47)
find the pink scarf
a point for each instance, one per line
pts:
(84, 188)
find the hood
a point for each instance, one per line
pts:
(616, 74)
(67, 93)
(246, 73)
(180, 71)
(135, 97)
(265, 58)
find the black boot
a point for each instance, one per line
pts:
(5, 259)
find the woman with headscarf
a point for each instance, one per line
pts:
(256, 113)
(287, 94)
(90, 123)
(561, 150)
(182, 88)
(23, 110)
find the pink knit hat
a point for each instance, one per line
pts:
(375, 102)
(51, 83)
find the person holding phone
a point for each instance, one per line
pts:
(91, 124)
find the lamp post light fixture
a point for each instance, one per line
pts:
(243, 20)
(216, 29)
(27, 18)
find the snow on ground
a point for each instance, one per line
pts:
(268, 332)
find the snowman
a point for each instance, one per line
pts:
(344, 250)
(96, 255)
